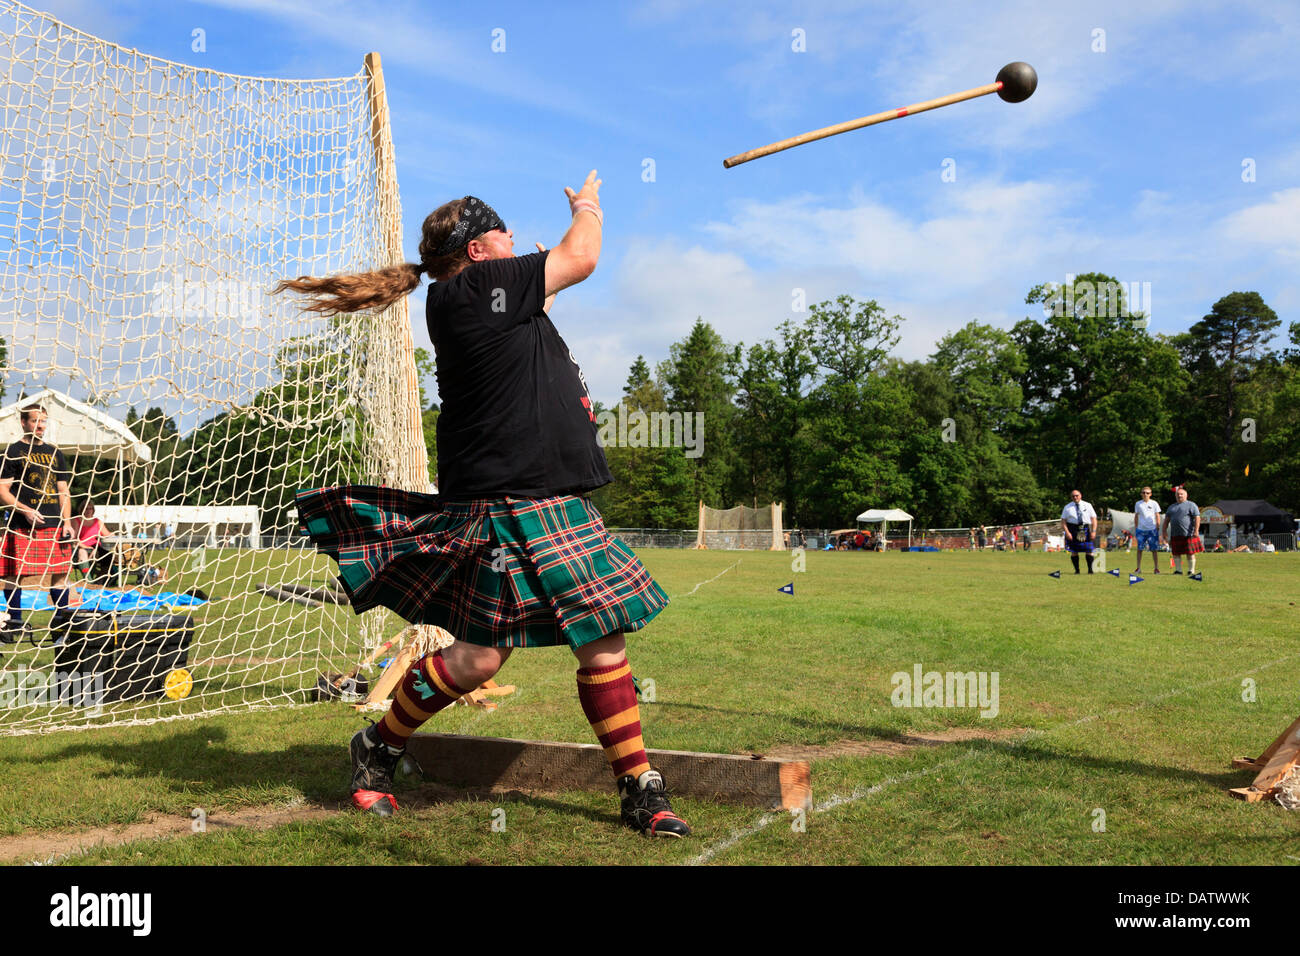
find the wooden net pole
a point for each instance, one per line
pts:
(411, 459)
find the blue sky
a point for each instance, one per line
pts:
(1128, 160)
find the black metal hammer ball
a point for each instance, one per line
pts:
(1018, 82)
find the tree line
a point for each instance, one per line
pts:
(993, 427)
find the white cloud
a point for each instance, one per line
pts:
(1269, 226)
(974, 232)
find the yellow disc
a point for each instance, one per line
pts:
(178, 684)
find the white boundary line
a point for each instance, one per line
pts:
(838, 800)
(710, 580)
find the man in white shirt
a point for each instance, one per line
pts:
(1146, 517)
(1079, 522)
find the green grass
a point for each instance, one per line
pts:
(1127, 700)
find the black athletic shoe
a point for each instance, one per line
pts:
(13, 633)
(1178, 572)
(373, 766)
(646, 808)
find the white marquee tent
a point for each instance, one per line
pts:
(883, 517)
(76, 429)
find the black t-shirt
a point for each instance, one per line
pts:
(516, 417)
(35, 468)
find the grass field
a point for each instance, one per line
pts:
(1117, 705)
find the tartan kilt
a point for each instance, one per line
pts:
(1185, 544)
(38, 551)
(499, 572)
(1074, 545)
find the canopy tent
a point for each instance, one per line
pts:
(883, 517)
(1256, 511)
(76, 428)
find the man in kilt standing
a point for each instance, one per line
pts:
(38, 537)
(1079, 522)
(1182, 528)
(511, 553)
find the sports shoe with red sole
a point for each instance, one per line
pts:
(373, 766)
(646, 808)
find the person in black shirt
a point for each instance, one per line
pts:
(37, 546)
(511, 553)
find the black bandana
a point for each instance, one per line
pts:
(475, 219)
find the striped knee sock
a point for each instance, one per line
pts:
(426, 689)
(608, 698)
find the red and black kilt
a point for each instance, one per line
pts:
(33, 552)
(1181, 544)
(499, 572)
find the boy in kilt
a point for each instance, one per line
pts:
(38, 537)
(511, 553)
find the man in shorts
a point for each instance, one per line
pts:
(1146, 518)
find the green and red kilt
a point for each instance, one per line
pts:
(500, 572)
(1181, 544)
(34, 551)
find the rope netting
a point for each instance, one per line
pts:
(739, 528)
(146, 210)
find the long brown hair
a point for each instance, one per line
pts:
(377, 290)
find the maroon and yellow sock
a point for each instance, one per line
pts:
(608, 698)
(426, 689)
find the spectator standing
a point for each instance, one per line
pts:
(1079, 522)
(37, 547)
(1146, 520)
(1182, 527)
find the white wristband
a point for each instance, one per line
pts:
(589, 206)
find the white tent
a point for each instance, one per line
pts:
(76, 428)
(883, 518)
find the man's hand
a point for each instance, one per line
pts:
(34, 517)
(577, 253)
(590, 190)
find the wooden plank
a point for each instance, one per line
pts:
(280, 594)
(486, 762)
(1249, 794)
(1247, 763)
(392, 675)
(328, 595)
(1291, 733)
(1286, 757)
